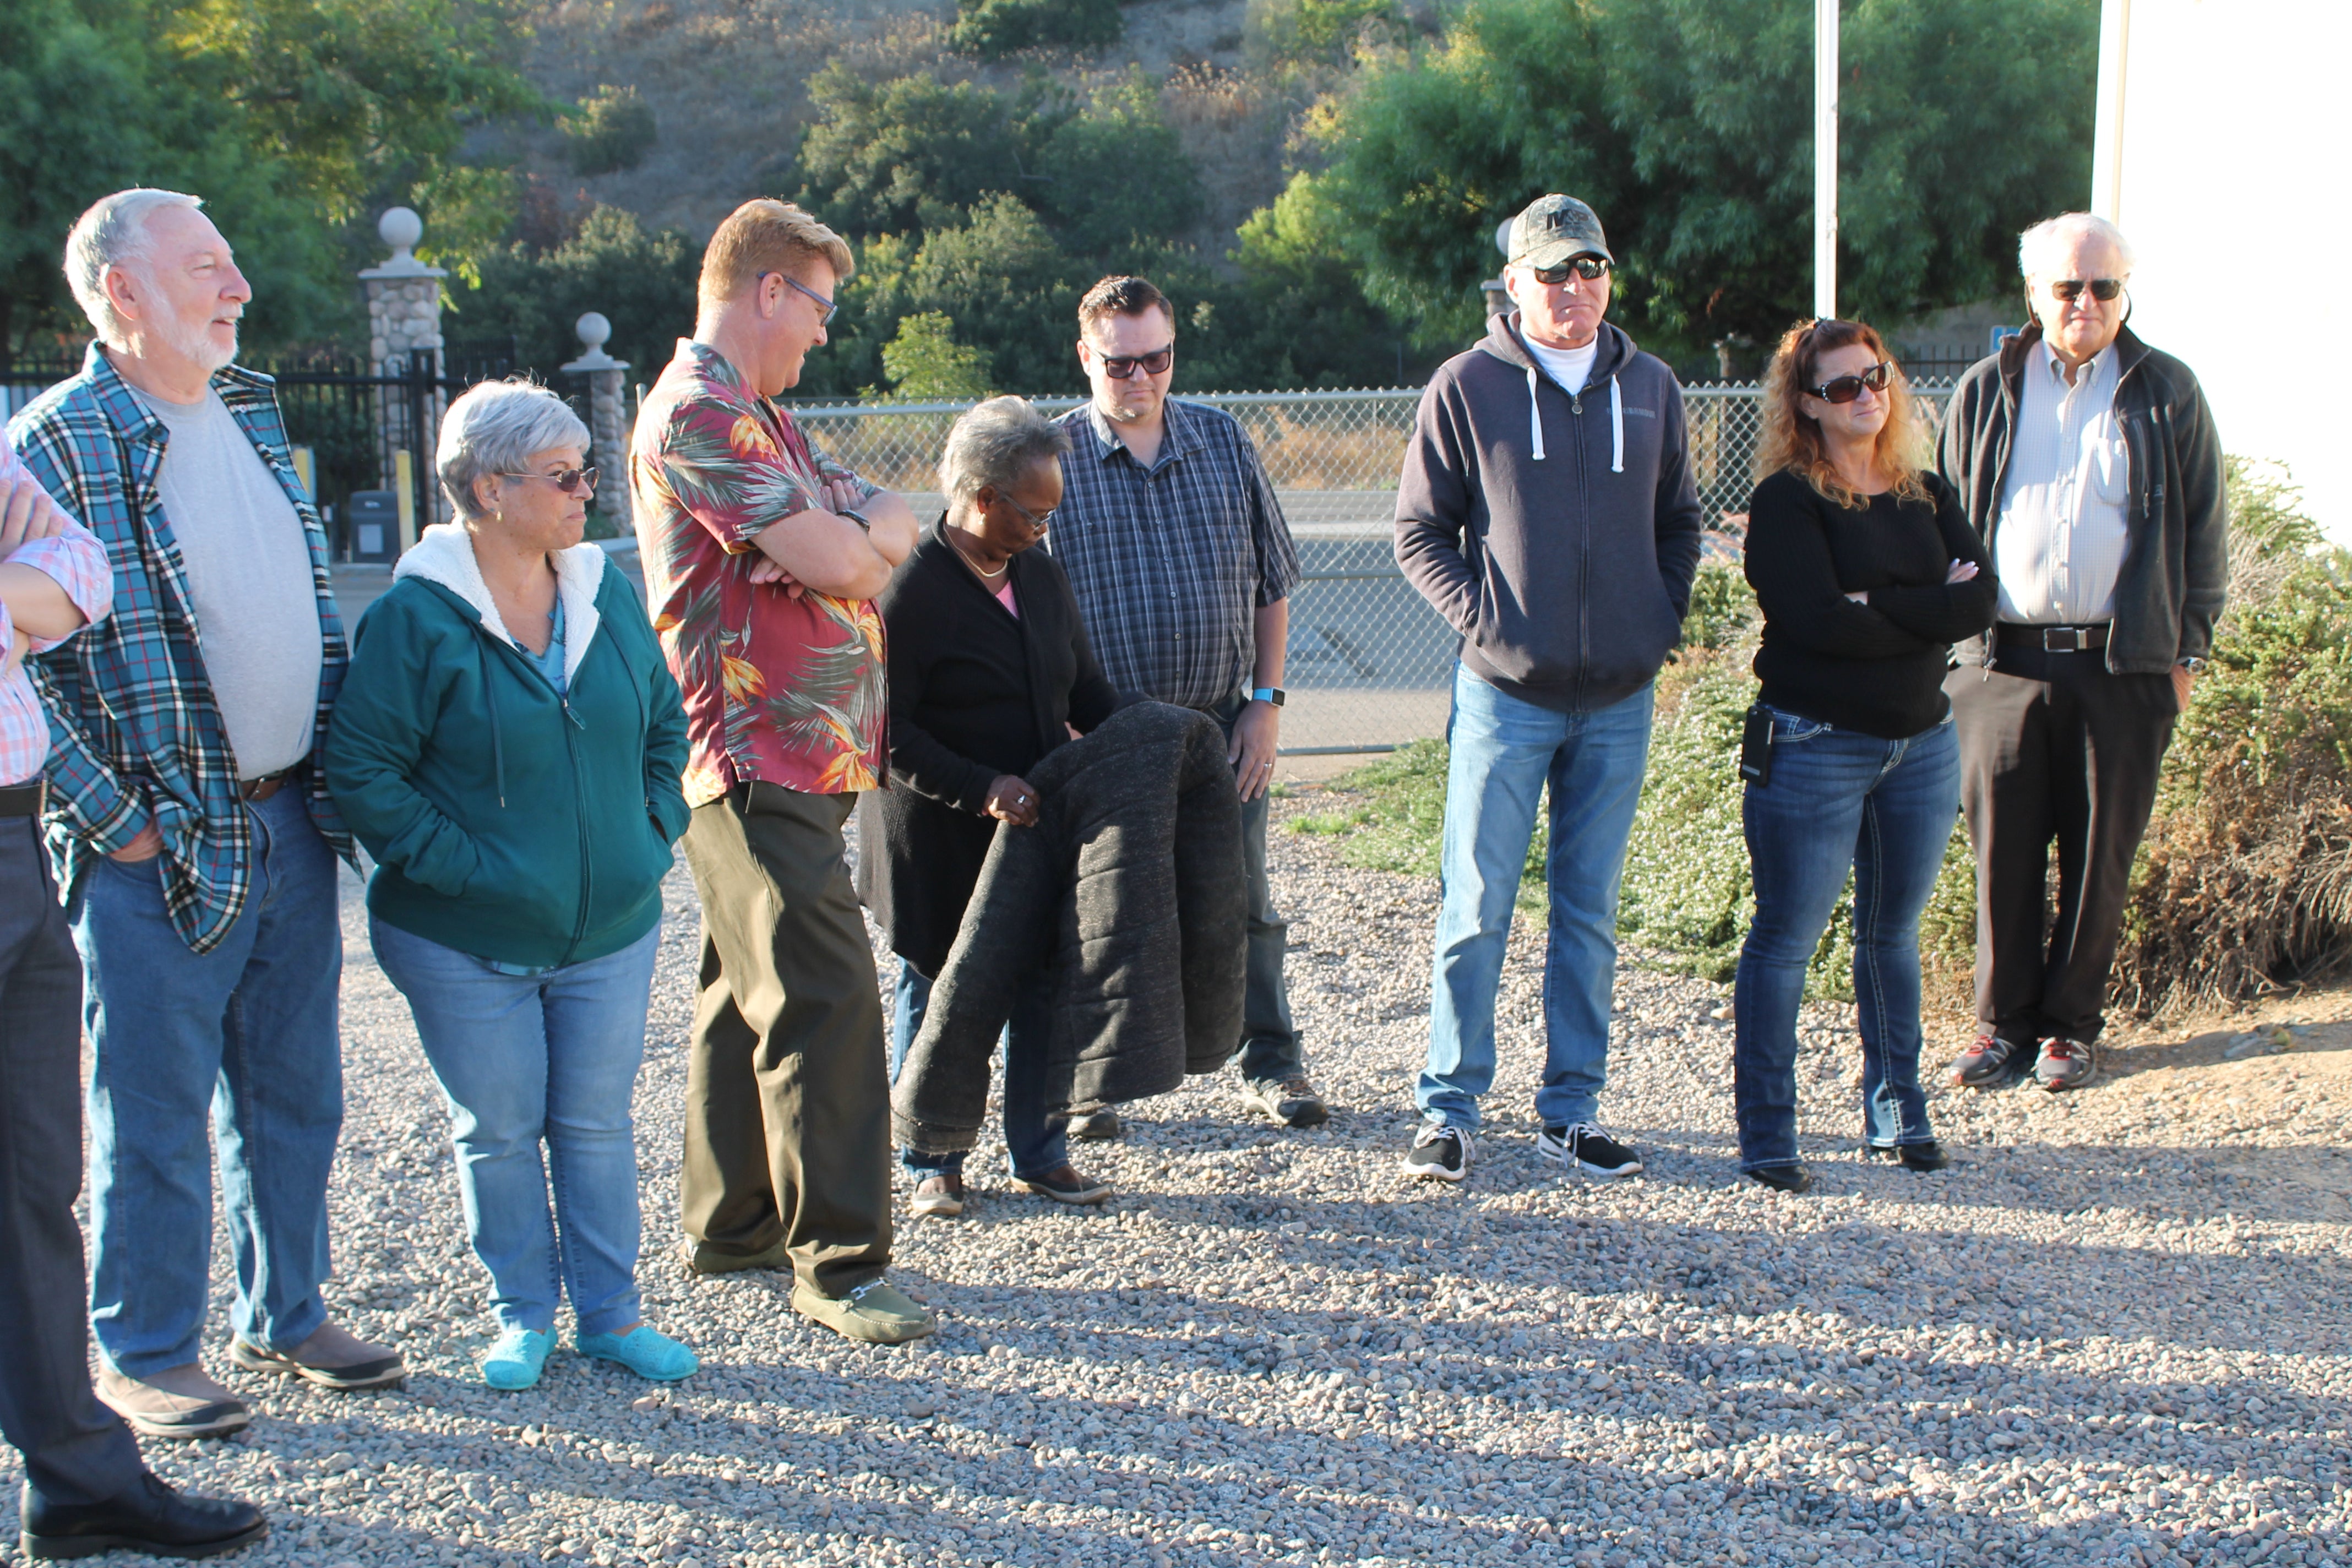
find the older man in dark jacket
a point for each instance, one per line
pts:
(2090, 464)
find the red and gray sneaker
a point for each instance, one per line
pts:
(2066, 1064)
(1991, 1063)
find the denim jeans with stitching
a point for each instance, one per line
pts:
(1504, 754)
(532, 1061)
(248, 1033)
(1839, 800)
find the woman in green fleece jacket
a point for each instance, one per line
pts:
(508, 746)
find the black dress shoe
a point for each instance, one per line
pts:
(1783, 1178)
(1928, 1156)
(150, 1517)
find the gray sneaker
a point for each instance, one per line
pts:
(1291, 1101)
(1096, 1123)
(331, 1358)
(2066, 1064)
(177, 1402)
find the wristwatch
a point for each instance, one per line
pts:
(859, 518)
(2192, 664)
(1274, 694)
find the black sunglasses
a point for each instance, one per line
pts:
(1118, 367)
(565, 480)
(2102, 289)
(1846, 388)
(1591, 268)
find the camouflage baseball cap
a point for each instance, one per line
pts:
(1554, 229)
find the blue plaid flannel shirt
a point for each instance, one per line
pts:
(134, 733)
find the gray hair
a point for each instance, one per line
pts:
(493, 428)
(114, 233)
(2037, 247)
(995, 444)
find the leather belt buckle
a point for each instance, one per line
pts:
(27, 799)
(2074, 642)
(253, 792)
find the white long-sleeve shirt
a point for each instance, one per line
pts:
(2058, 543)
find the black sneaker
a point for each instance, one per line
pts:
(1928, 1156)
(1783, 1178)
(1439, 1152)
(1097, 1124)
(1291, 1101)
(1583, 1147)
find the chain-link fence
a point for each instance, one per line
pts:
(1370, 664)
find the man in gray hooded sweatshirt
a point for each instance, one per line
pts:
(1546, 508)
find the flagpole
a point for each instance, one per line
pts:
(1825, 156)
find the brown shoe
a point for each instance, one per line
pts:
(940, 1197)
(178, 1402)
(1064, 1186)
(332, 1358)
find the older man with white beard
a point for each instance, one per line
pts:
(190, 831)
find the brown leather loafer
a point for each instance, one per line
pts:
(178, 1402)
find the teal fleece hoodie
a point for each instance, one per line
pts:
(508, 822)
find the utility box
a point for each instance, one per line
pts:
(371, 521)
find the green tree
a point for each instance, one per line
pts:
(294, 118)
(642, 281)
(1686, 125)
(925, 363)
(995, 28)
(1116, 173)
(909, 153)
(610, 131)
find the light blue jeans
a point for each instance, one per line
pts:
(249, 1031)
(1838, 798)
(526, 1060)
(1503, 752)
(1034, 1146)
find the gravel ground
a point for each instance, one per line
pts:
(2117, 1335)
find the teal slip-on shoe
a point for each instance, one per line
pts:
(644, 1351)
(517, 1360)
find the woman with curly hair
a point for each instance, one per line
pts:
(1866, 571)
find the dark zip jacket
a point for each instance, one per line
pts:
(507, 821)
(2176, 569)
(1557, 533)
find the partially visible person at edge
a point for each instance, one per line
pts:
(1183, 566)
(191, 828)
(2089, 462)
(84, 1488)
(1547, 510)
(1867, 573)
(763, 558)
(508, 746)
(989, 671)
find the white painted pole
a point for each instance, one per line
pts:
(1825, 156)
(2107, 138)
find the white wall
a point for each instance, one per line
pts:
(2229, 163)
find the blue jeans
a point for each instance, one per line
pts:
(526, 1060)
(1271, 1051)
(249, 1030)
(1503, 752)
(1886, 808)
(1034, 1145)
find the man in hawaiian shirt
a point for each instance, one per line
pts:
(763, 557)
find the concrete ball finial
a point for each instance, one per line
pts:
(400, 229)
(595, 331)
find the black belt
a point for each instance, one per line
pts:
(2051, 639)
(24, 799)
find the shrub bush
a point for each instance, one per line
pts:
(995, 28)
(611, 130)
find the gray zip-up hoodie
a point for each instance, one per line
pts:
(1557, 533)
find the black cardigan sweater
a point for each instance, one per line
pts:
(974, 692)
(1877, 667)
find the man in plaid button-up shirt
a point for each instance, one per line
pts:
(1183, 566)
(193, 840)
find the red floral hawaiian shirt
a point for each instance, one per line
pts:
(778, 689)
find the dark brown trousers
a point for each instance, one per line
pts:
(787, 1093)
(2054, 749)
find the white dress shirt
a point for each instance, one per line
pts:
(2058, 543)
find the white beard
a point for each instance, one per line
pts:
(195, 343)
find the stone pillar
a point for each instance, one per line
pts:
(403, 301)
(608, 416)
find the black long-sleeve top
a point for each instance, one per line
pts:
(1876, 666)
(974, 692)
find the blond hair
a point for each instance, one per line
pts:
(765, 235)
(1792, 441)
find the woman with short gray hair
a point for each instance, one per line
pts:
(508, 745)
(990, 670)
